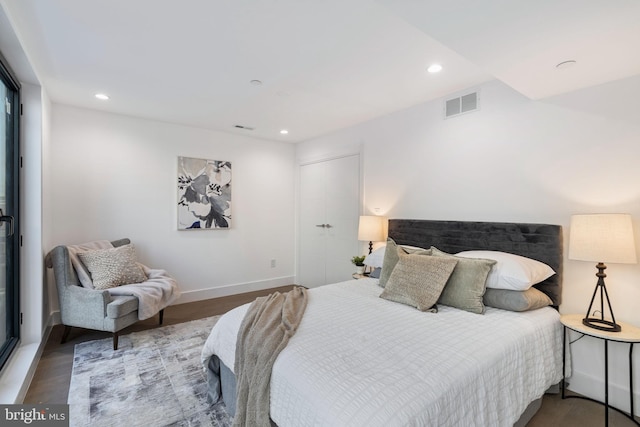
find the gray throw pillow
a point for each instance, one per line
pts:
(506, 299)
(391, 259)
(375, 274)
(466, 286)
(418, 280)
(113, 267)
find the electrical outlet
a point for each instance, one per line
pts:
(273, 263)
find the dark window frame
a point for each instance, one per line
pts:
(10, 80)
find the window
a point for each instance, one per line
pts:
(9, 203)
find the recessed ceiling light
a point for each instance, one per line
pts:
(284, 131)
(102, 96)
(256, 83)
(434, 68)
(566, 64)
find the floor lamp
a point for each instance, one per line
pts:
(602, 238)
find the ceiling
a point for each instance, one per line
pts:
(324, 65)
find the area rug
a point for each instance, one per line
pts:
(155, 378)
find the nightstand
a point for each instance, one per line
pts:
(629, 334)
(359, 276)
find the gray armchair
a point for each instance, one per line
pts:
(89, 308)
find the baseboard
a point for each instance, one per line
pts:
(32, 369)
(238, 288)
(55, 318)
(593, 387)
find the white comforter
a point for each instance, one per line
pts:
(359, 360)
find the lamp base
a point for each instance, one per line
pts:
(601, 324)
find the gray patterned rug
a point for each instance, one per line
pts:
(155, 378)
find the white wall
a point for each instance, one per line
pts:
(114, 176)
(516, 160)
(31, 257)
(49, 293)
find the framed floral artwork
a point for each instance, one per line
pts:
(204, 194)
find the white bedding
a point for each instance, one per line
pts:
(359, 360)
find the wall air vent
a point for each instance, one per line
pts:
(460, 105)
(244, 127)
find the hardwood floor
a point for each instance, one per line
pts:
(53, 374)
(575, 413)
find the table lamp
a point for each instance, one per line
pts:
(370, 229)
(602, 238)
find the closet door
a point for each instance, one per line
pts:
(311, 250)
(329, 210)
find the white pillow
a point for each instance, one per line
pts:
(513, 272)
(375, 258)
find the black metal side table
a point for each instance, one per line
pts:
(629, 334)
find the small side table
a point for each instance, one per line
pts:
(629, 334)
(359, 276)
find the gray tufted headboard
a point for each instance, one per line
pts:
(542, 242)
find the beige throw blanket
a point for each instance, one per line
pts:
(266, 329)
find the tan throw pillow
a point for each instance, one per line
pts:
(391, 259)
(418, 280)
(113, 267)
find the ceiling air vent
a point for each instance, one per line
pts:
(462, 104)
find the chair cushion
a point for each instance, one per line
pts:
(121, 306)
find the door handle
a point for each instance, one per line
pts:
(321, 225)
(328, 225)
(9, 219)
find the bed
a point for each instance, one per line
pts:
(358, 359)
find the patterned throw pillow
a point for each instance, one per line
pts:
(391, 259)
(418, 280)
(113, 267)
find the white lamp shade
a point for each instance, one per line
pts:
(370, 228)
(602, 238)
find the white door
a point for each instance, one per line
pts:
(329, 211)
